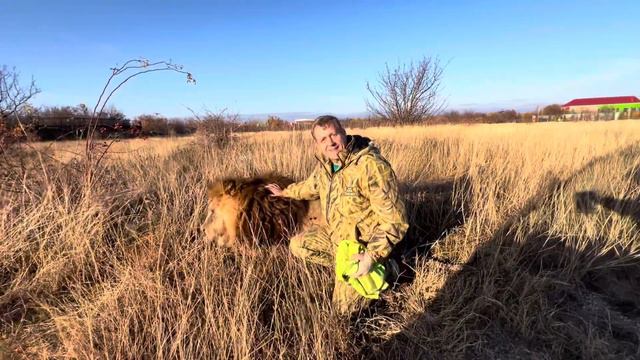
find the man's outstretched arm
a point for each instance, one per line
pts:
(303, 190)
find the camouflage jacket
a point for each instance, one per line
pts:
(360, 201)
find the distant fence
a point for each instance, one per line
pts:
(590, 116)
(72, 127)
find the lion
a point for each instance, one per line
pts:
(241, 212)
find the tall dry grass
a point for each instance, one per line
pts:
(524, 243)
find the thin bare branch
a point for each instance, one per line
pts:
(134, 67)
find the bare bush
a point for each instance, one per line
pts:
(152, 124)
(407, 94)
(216, 128)
(277, 123)
(553, 110)
(177, 126)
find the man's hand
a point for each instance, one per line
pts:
(365, 262)
(275, 189)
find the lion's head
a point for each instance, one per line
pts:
(243, 212)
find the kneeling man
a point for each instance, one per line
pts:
(358, 192)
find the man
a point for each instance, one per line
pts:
(358, 192)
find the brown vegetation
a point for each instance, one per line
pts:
(524, 244)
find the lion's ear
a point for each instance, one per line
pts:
(229, 186)
(214, 189)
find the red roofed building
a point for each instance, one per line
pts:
(617, 103)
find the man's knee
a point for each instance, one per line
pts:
(312, 245)
(296, 246)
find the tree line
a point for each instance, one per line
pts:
(403, 95)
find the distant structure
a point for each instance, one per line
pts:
(615, 105)
(303, 121)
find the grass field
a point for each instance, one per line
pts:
(524, 244)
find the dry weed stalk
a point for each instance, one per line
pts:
(120, 75)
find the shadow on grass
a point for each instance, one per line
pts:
(433, 210)
(533, 294)
(588, 201)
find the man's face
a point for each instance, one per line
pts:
(329, 140)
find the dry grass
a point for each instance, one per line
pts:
(65, 151)
(524, 244)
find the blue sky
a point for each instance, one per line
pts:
(275, 57)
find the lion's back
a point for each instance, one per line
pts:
(260, 219)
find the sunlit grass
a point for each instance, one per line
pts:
(121, 271)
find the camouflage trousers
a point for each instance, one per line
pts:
(315, 246)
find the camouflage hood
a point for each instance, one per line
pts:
(357, 146)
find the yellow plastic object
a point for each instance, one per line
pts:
(369, 285)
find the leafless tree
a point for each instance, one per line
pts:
(13, 96)
(14, 99)
(408, 93)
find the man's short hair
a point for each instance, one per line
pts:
(324, 121)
